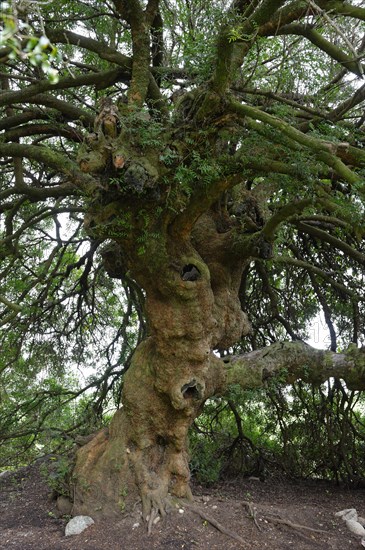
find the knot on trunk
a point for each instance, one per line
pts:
(190, 273)
(188, 395)
(192, 390)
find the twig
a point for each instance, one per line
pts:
(215, 523)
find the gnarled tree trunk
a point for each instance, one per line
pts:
(192, 307)
(189, 263)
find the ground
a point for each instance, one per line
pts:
(252, 509)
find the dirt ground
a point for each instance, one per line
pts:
(276, 514)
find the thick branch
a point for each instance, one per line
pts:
(290, 361)
(51, 159)
(140, 23)
(42, 130)
(62, 36)
(343, 8)
(324, 151)
(227, 58)
(282, 215)
(333, 241)
(100, 80)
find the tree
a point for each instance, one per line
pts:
(208, 156)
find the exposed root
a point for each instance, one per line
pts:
(151, 520)
(252, 512)
(295, 525)
(215, 523)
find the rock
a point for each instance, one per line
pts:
(77, 525)
(355, 527)
(349, 513)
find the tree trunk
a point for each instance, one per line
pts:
(192, 307)
(189, 262)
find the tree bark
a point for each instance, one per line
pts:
(192, 308)
(189, 263)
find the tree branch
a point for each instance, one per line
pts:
(325, 45)
(282, 215)
(80, 181)
(325, 151)
(140, 23)
(290, 361)
(334, 241)
(325, 275)
(228, 58)
(101, 80)
(62, 36)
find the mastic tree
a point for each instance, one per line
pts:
(207, 156)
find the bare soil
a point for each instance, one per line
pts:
(277, 514)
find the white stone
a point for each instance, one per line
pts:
(349, 513)
(355, 527)
(181, 511)
(77, 525)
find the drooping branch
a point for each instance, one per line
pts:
(290, 361)
(43, 129)
(325, 275)
(65, 111)
(333, 241)
(274, 303)
(325, 45)
(350, 103)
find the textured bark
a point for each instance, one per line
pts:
(290, 361)
(172, 374)
(189, 262)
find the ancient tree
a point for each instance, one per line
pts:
(195, 146)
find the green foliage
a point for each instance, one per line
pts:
(56, 472)
(205, 463)
(141, 130)
(199, 172)
(236, 32)
(38, 50)
(300, 430)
